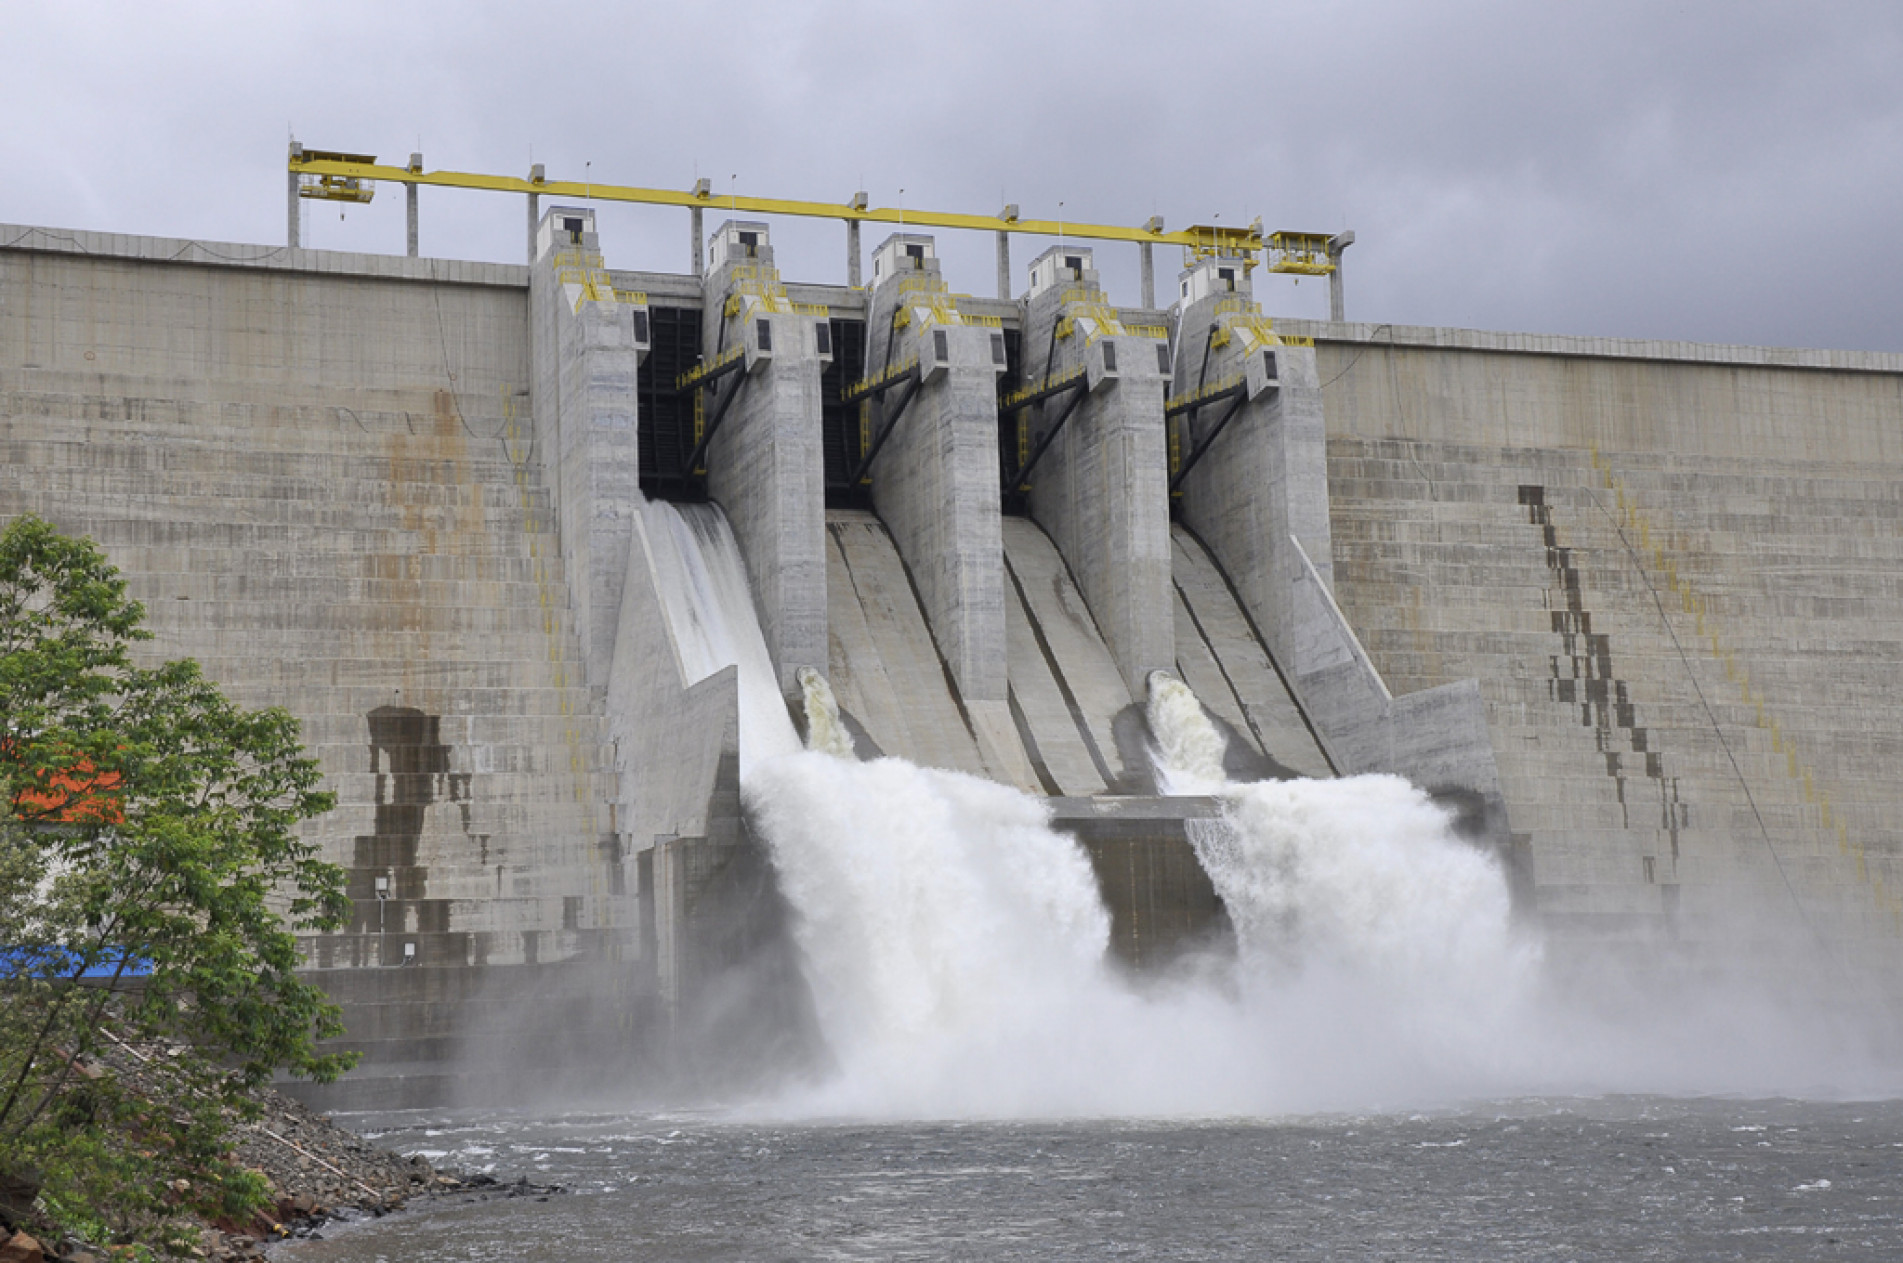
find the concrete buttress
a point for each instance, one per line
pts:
(935, 474)
(1101, 486)
(585, 357)
(765, 464)
(1255, 490)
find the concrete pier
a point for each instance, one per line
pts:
(764, 461)
(1101, 483)
(935, 474)
(411, 235)
(586, 354)
(934, 480)
(1254, 489)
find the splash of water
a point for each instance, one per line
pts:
(825, 732)
(954, 944)
(1362, 871)
(1189, 749)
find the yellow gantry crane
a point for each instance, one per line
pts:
(334, 176)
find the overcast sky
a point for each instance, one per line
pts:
(1722, 171)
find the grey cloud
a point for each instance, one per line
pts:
(1714, 171)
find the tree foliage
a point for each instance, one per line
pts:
(152, 879)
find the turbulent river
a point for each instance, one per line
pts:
(993, 1087)
(1614, 1178)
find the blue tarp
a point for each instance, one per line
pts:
(101, 965)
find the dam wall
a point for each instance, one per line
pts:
(1673, 570)
(317, 474)
(1631, 609)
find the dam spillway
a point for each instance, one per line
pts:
(1632, 607)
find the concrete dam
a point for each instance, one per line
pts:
(1630, 610)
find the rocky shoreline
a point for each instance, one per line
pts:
(319, 1172)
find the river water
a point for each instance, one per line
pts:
(1608, 1178)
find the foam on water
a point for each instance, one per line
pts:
(955, 945)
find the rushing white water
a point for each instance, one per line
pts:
(1358, 874)
(1189, 749)
(825, 731)
(954, 944)
(709, 607)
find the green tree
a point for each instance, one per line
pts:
(151, 882)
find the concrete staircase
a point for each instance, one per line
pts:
(392, 579)
(1683, 663)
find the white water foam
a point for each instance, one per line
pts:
(709, 607)
(955, 945)
(1189, 749)
(825, 731)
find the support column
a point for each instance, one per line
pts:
(585, 355)
(535, 209)
(935, 479)
(855, 277)
(1336, 245)
(1264, 479)
(696, 231)
(1100, 489)
(409, 200)
(1009, 215)
(1259, 500)
(1146, 257)
(766, 462)
(291, 224)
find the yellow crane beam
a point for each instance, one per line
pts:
(330, 167)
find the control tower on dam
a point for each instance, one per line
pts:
(1630, 610)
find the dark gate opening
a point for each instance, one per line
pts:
(667, 415)
(840, 430)
(1012, 430)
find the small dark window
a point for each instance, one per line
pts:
(763, 334)
(941, 348)
(823, 337)
(1109, 357)
(1163, 358)
(640, 325)
(1268, 364)
(997, 349)
(571, 225)
(915, 252)
(1075, 262)
(1227, 276)
(749, 239)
